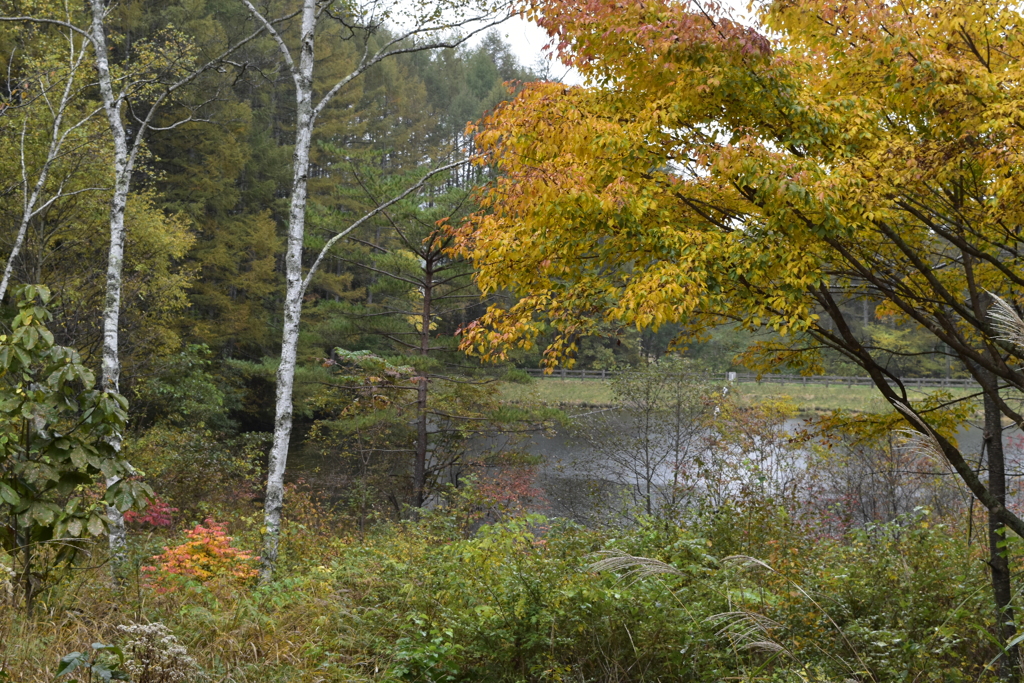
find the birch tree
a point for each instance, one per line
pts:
(131, 96)
(50, 97)
(169, 73)
(423, 32)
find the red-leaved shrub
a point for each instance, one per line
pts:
(206, 555)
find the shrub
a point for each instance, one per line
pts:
(156, 514)
(521, 601)
(206, 555)
(517, 376)
(57, 447)
(197, 470)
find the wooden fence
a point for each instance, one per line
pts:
(827, 380)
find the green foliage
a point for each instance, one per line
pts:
(366, 412)
(521, 602)
(911, 350)
(517, 376)
(59, 438)
(183, 391)
(93, 664)
(198, 470)
(524, 601)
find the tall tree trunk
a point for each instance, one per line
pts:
(295, 283)
(999, 561)
(419, 482)
(27, 580)
(303, 77)
(111, 362)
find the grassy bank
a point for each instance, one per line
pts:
(809, 398)
(523, 602)
(561, 391)
(816, 398)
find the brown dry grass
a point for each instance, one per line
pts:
(236, 634)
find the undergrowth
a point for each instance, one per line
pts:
(523, 600)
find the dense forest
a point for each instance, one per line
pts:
(276, 272)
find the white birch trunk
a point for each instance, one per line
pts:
(295, 284)
(304, 120)
(295, 290)
(111, 363)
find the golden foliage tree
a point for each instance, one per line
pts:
(869, 150)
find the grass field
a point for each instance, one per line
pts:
(561, 391)
(807, 398)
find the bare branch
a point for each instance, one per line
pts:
(386, 51)
(269, 26)
(55, 22)
(334, 240)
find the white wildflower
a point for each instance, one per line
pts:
(154, 655)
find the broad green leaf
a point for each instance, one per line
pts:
(23, 356)
(124, 499)
(43, 513)
(31, 337)
(9, 495)
(96, 525)
(79, 457)
(74, 527)
(70, 662)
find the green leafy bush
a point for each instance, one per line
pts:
(58, 437)
(524, 601)
(517, 376)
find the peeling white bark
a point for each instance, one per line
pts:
(126, 149)
(295, 284)
(302, 74)
(123, 162)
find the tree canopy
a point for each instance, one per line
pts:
(707, 172)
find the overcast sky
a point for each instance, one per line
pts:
(527, 40)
